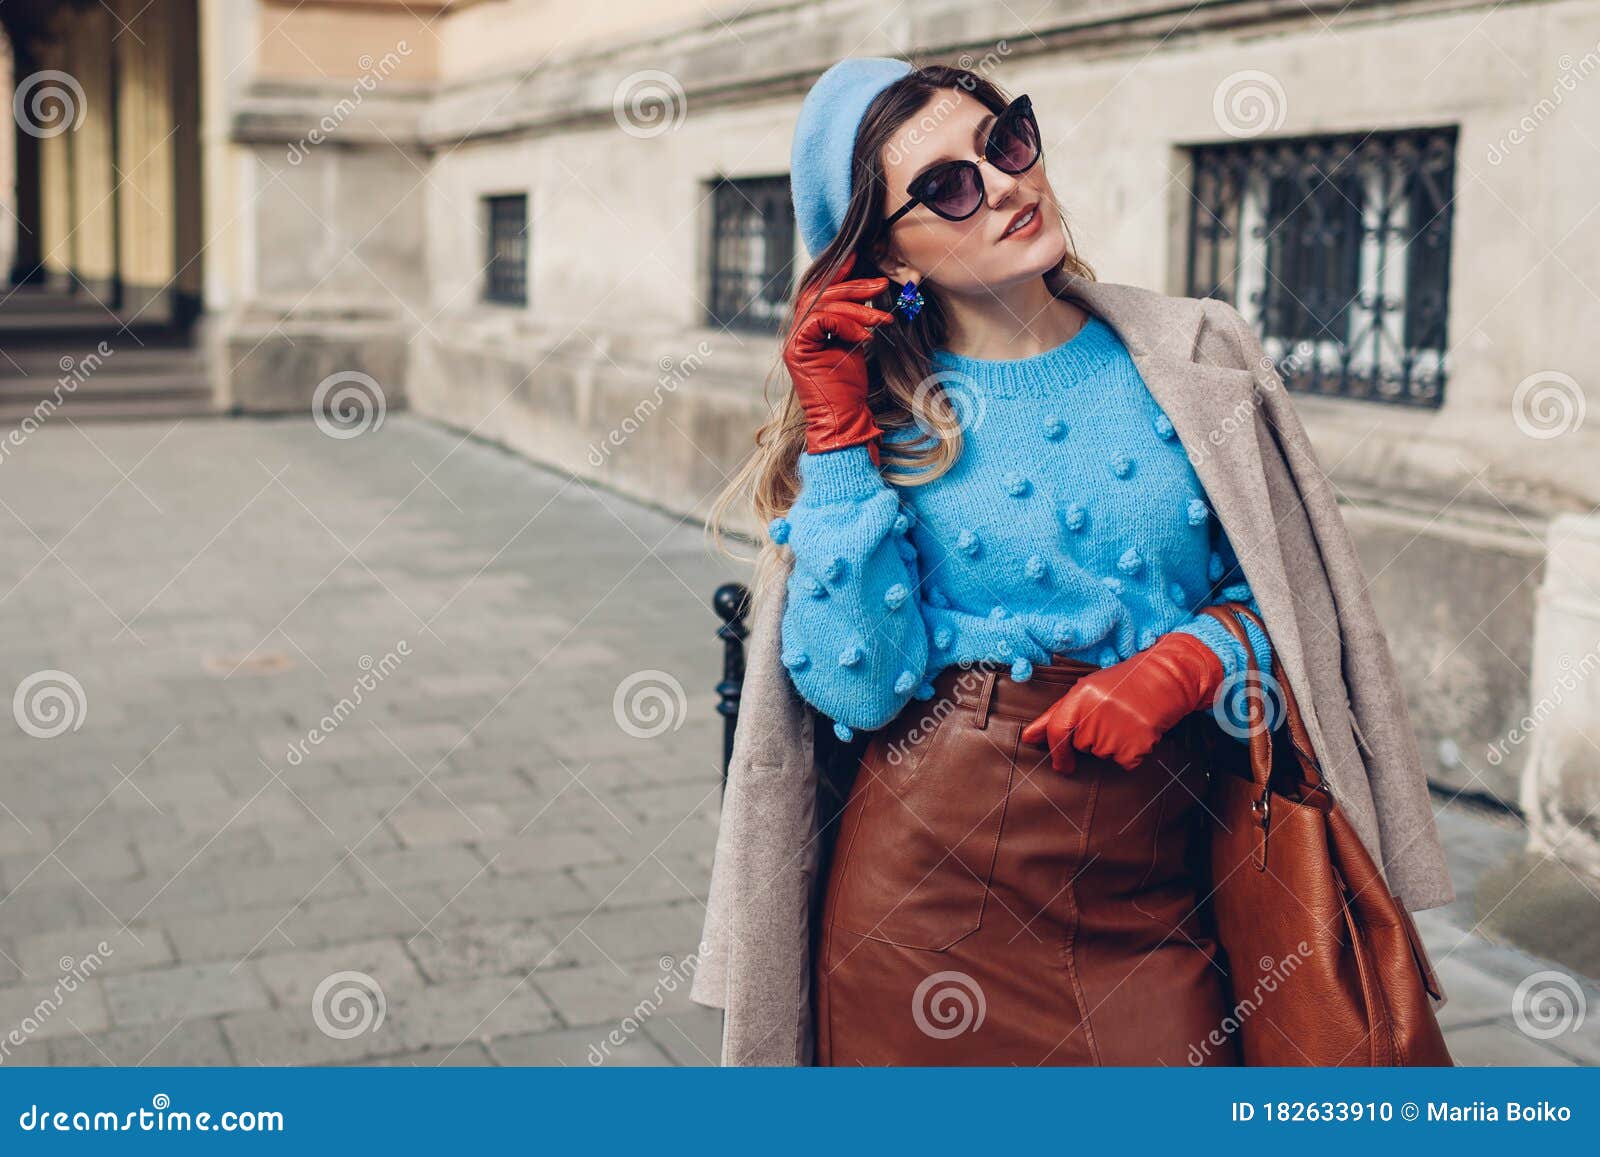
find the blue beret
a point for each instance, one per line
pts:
(825, 137)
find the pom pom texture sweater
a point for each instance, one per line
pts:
(1072, 524)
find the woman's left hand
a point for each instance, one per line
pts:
(1120, 712)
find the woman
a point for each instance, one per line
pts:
(997, 548)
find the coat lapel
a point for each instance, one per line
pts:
(1213, 409)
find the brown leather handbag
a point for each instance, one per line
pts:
(1326, 965)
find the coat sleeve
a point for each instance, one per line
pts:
(1377, 705)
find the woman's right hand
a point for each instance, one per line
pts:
(828, 364)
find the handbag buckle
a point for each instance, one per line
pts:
(1262, 807)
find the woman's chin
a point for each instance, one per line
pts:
(1033, 258)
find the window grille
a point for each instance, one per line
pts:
(752, 253)
(506, 270)
(1337, 250)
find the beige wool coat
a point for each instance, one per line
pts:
(1203, 364)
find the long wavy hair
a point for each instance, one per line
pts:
(903, 390)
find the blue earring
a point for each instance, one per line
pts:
(910, 300)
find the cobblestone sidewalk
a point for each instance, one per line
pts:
(396, 725)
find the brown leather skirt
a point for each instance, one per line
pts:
(984, 909)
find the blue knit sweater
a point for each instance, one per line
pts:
(1072, 524)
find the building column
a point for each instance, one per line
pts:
(56, 233)
(1561, 778)
(92, 143)
(146, 208)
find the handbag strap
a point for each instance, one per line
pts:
(1229, 615)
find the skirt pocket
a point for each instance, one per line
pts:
(920, 834)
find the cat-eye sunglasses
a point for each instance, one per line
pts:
(954, 189)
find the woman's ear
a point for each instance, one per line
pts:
(885, 258)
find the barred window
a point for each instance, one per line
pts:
(752, 252)
(506, 267)
(1337, 250)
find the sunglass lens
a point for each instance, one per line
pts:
(953, 192)
(1014, 142)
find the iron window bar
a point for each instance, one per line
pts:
(1337, 250)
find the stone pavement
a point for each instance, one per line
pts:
(347, 707)
(392, 749)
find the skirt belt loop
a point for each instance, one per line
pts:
(980, 712)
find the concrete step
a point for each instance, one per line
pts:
(30, 316)
(51, 362)
(133, 384)
(129, 408)
(106, 388)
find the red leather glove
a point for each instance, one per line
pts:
(1120, 712)
(828, 365)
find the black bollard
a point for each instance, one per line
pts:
(732, 603)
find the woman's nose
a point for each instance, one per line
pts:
(998, 184)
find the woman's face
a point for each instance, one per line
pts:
(974, 255)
